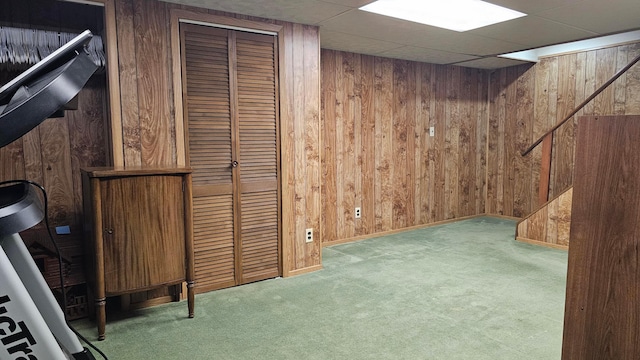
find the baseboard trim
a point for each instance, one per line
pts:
(542, 243)
(396, 231)
(302, 271)
(503, 217)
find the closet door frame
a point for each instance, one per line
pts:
(179, 16)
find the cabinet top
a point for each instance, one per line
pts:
(110, 171)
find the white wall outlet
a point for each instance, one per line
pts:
(309, 237)
(358, 214)
(432, 131)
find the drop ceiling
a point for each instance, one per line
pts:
(344, 27)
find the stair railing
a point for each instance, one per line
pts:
(547, 138)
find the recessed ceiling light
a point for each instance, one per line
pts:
(458, 15)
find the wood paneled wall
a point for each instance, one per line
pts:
(377, 152)
(144, 67)
(373, 138)
(52, 155)
(145, 70)
(525, 101)
(550, 224)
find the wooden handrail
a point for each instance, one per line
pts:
(587, 100)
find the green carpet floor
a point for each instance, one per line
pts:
(464, 290)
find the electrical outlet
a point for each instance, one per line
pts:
(358, 214)
(309, 235)
(432, 131)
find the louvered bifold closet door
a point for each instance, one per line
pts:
(256, 66)
(231, 114)
(208, 115)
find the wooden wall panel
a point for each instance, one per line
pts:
(424, 165)
(383, 135)
(145, 91)
(329, 169)
(400, 146)
(374, 133)
(452, 130)
(53, 153)
(549, 225)
(377, 119)
(562, 160)
(149, 120)
(482, 141)
(522, 165)
(545, 93)
(368, 143)
(438, 121)
(128, 73)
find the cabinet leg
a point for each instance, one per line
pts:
(190, 297)
(101, 316)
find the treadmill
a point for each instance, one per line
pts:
(32, 324)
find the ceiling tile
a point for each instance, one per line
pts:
(425, 55)
(350, 3)
(309, 12)
(533, 31)
(465, 43)
(491, 63)
(531, 6)
(602, 17)
(344, 27)
(371, 25)
(352, 43)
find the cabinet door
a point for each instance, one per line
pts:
(143, 235)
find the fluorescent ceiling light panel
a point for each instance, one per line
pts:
(458, 15)
(534, 55)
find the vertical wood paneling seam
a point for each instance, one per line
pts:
(178, 91)
(418, 143)
(484, 117)
(311, 57)
(128, 72)
(368, 193)
(113, 82)
(155, 132)
(328, 71)
(300, 185)
(318, 170)
(287, 140)
(411, 146)
(487, 127)
(339, 142)
(357, 129)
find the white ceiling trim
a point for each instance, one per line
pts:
(228, 27)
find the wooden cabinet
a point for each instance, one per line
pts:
(140, 232)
